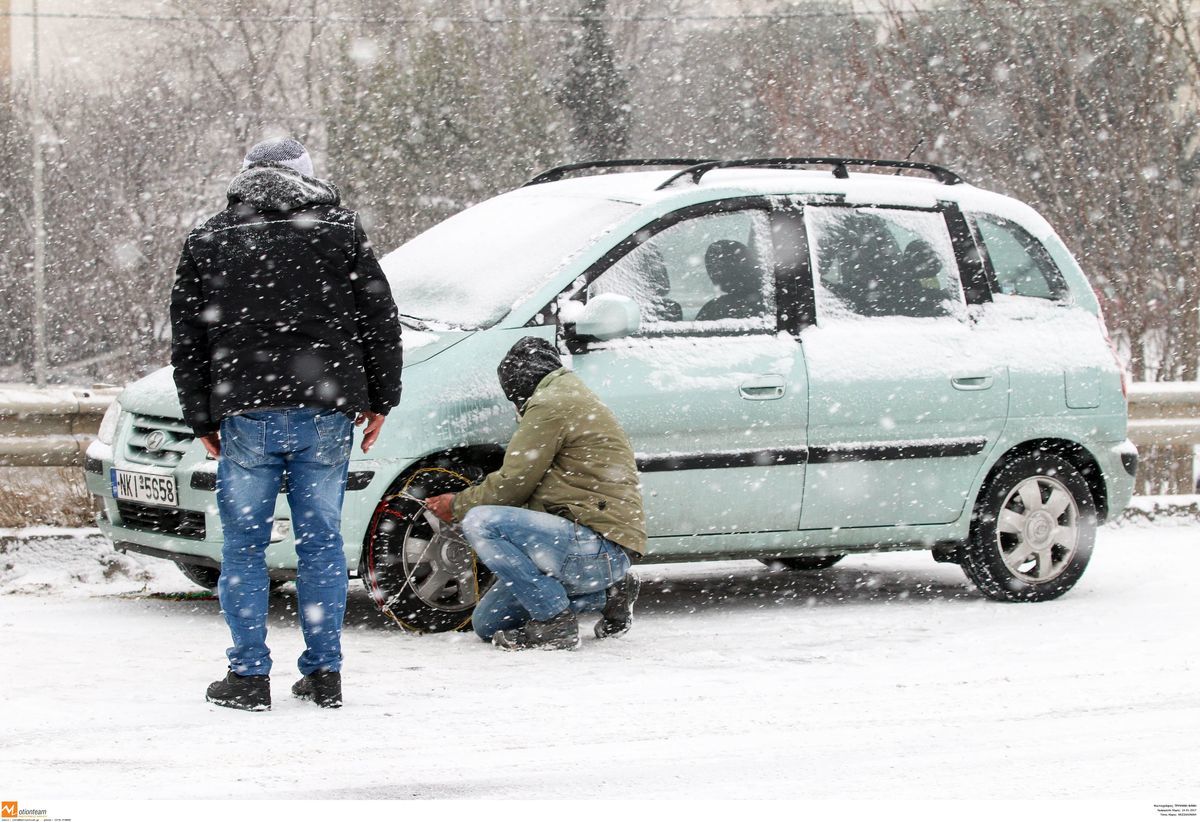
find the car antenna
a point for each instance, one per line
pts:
(911, 152)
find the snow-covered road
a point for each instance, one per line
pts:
(885, 677)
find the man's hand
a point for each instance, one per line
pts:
(212, 444)
(441, 506)
(374, 422)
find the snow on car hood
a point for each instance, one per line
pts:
(154, 394)
(470, 270)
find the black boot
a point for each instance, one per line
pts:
(558, 633)
(247, 693)
(617, 616)
(322, 687)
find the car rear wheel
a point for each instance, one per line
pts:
(420, 571)
(805, 563)
(1033, 530)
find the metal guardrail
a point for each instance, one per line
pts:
(49, 426)
(54, 426)
(1164, 413)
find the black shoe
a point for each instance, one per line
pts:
(558, 633)
(321, 687)
(617, 616)
(247, 693)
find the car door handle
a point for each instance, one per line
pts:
(972, 383)
(762, 388)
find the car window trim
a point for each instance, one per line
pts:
(795, 293)
(978, 282)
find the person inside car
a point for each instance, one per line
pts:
(731, 267)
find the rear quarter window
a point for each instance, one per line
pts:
(1020, 263)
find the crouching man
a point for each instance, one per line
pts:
(558, 522)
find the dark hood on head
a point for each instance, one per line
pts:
(274, 187)
(524, 366)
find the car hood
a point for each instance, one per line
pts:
(155, 394)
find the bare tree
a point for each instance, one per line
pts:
(593, 89)
(423, 122)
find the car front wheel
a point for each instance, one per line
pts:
(1032, 532)
(419, 570)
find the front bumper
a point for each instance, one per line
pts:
(176, 535)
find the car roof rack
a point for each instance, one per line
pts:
(942, 175)
(558, 172)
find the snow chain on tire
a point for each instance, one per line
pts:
(384, 508)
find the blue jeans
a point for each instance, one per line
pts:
(258, 448)
(543, 565)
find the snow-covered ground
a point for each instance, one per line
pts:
(886, 677)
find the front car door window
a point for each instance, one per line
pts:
(712, 272)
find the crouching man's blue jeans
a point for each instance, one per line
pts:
(312, 448)
(543, 565)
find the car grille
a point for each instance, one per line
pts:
(189, 524)
(175, 439)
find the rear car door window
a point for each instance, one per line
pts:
(876, 262)
(709, 272)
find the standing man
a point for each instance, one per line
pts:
(284, 335)
(558, 522)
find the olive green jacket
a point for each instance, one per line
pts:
(569, 457)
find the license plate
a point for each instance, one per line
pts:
(153, 489)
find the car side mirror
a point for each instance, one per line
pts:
(607, 317)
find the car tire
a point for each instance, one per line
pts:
(420, 571)
(805, 563)
(203, 575)
(1032, 531)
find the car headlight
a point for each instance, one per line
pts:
(108, 425)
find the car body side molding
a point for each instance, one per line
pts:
(851, 452)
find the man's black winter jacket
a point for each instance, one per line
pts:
(279, 302)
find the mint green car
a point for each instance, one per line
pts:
(812, 358)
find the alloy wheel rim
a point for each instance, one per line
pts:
(438, 563)
(1037, 531)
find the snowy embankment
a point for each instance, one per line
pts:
(886, 676)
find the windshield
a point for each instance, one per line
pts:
(470, 270)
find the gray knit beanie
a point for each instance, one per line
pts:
(283, 150)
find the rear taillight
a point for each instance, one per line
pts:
(1111, 346)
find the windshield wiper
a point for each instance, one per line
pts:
(417, 322)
